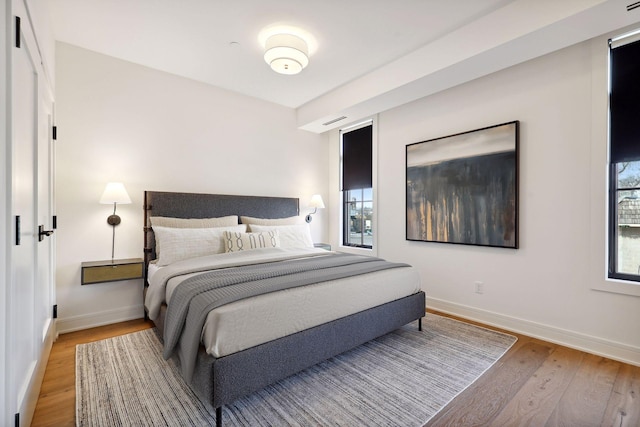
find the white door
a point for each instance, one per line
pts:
(31, 285)
(23, 256)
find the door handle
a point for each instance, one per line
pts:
(42, 233)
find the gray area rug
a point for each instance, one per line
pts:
(401, 379)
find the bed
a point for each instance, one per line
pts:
(236, 355)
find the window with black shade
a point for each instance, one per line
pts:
(624, 158)
(357, 186)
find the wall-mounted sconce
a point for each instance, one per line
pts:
(316, 203)
(114, 193)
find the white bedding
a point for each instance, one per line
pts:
(247, 323)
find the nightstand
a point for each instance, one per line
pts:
(325, 246)
(112, 270)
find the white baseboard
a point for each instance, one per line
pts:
(86, 321)
(590, 344)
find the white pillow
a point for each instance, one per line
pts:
(183, 243)
(164, 221)
(223, 221)
(292, 220)
(236, 242)
(291, 236)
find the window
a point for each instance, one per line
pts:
(358, 208)
(357, 186)
(624, 158)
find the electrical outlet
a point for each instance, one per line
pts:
(479, 287)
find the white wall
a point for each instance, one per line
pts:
(545, 288)
(118, 121)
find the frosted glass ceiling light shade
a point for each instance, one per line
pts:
(286, 53)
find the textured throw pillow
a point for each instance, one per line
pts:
(183, 243)
(291, 236)
(236, 242)
(292, 220)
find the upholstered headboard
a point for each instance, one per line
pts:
(196, 205)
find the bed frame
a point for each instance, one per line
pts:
(220, 381)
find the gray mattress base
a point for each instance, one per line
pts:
(219, 381)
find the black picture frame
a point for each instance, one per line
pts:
(463, 188)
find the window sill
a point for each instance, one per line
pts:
(618, 286)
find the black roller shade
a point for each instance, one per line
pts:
(357, 158)
(625, 103)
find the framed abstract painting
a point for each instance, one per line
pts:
(463, 188)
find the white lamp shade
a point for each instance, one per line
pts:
(115, 193)
(316, 202)
(286, 53)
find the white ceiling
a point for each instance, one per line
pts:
(367, 55)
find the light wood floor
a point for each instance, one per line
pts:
(535, 384)
(57, 402)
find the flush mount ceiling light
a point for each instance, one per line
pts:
(286, 53)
